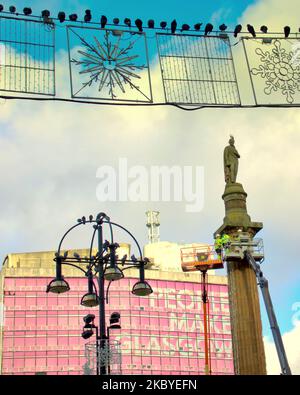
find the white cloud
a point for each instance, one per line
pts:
(274, 13)
(292, 347)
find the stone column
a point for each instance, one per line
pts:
(246, 326)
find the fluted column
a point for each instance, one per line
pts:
(246, 326)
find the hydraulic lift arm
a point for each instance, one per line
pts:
(263, 283)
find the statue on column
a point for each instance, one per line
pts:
(231, 162)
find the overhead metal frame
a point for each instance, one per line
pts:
(29, 49)
(203, 65)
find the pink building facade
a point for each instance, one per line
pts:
(161, 333)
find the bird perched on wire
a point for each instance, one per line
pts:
(197, 26)
(173, 26)
(139, 24)
(163, 24)
(185, 27)
(127, 22)
(264, 29)
(103, 21)
(87, 16)
(208, 29)
(251, 30)
(287, 31)
(237, 30)
(223, 27)
(151, 23)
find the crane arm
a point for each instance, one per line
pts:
(264, 286)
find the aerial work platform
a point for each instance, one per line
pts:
(204, 257)
(200, 257)
(236, 249)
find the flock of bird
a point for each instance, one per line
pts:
(45, 14)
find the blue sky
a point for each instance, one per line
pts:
(167, 10)
(67, 188)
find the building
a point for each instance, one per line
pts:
(40, 333)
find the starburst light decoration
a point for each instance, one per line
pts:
(109, 65)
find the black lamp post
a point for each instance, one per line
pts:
(105, 265)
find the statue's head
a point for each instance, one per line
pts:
(231, 140)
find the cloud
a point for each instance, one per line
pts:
(292, 348)
(274, 13)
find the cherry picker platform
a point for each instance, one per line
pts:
(200, 257)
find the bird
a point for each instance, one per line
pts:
(163, 24)
(73, 17)
(197, 26)
(223, 27)
(66, 254)
(251, 30)
(61, 16)
(116, 21)
(151, 23)
(87, 16)
(139, 24)
(83, 219)
(106, 245)
(173, 26)
(26, 10)
(127, 22)
(208, 29)
(91, 218)
(287, 31)
(185, 27)
(123, 260)
(133, 258)
(264, 29)
(103, 21)
(77, 256)
(237, 30)
(45, 13)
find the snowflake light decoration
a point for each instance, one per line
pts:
(280, 72)
(109, 65)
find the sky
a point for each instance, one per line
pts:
(50, 153)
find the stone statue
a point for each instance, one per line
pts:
(231, 162)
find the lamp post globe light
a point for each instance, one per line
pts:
(104, 266)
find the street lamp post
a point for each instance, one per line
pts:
(103, 266)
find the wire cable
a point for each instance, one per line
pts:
(181, 107)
